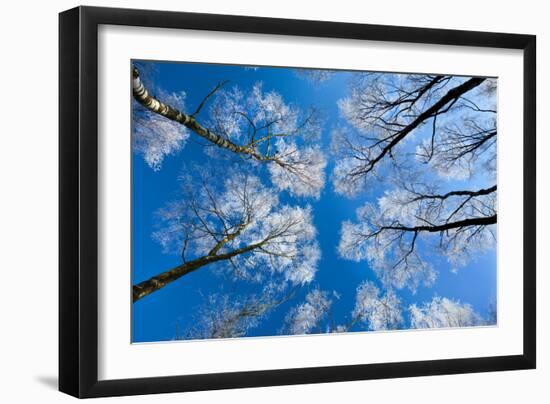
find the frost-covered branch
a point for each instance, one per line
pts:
(155, 137)
(307, 317)
(377, 311)
(373, 311)
(444, 313)
(232, 316)
(458, 224)
(461, 147)
(451, 118)
(259, 126)
(236, 224)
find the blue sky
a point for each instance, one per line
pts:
(156, 317)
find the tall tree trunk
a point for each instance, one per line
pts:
(142, 96)
(159, 281)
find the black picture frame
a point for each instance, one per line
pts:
(78, 201)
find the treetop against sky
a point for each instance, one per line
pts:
(271, 201)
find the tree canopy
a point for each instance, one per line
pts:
(410, 161)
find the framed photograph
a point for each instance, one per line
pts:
(251, 201)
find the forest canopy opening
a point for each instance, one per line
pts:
(279, 201)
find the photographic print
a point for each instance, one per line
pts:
(279, 201)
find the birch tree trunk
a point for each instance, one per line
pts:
(142, 96)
